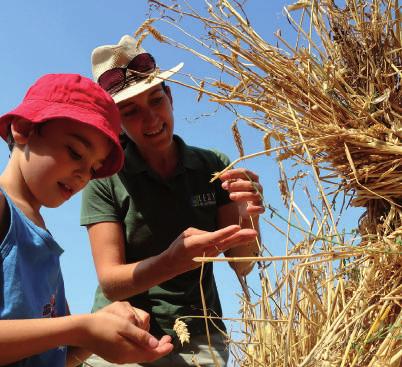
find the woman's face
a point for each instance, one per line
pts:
(148, 119)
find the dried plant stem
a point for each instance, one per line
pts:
(329, 107)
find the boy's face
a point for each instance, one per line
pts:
(60, 158)
(148, 119)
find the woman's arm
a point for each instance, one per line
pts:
(117, 279)
(121, 281)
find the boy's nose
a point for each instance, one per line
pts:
(83, 173)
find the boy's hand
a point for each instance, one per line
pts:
(137, 316)
(118, 340)
(244, 189)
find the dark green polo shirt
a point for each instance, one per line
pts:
(154, 212)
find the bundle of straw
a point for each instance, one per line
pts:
(332, 102)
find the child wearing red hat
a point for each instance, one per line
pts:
(63, 134)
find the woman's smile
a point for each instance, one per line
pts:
(156, 131)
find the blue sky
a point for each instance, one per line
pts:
(43, 36)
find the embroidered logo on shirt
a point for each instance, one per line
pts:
(50, 308)
(205, 199)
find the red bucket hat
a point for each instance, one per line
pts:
(74, 97)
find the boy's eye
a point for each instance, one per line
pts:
(73, 154)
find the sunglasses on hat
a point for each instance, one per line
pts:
(139, 68)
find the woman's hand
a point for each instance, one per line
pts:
(194, 242)
(244, 189)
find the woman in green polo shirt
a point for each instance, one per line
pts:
(150, 220)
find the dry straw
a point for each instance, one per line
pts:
(331, 101)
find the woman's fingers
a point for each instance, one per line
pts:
(240, 238)
(241, 185)
(210, 239)
(191, 231)
(225, 238)
(239, 173)
(245, 190)
(194, 243)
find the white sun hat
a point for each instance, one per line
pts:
(126, 70)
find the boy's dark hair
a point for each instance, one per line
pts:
(10, 139)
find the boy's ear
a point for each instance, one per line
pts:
(21, 130)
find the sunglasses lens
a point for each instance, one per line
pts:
(112, 78)
(142, 63)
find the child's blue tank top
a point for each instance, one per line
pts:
(31, 283)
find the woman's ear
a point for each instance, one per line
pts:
(21, 130)
(169, 94)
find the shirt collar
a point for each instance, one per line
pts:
(134, 163)
(188, 158)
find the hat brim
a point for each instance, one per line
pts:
(139, 87)
(39, 111)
